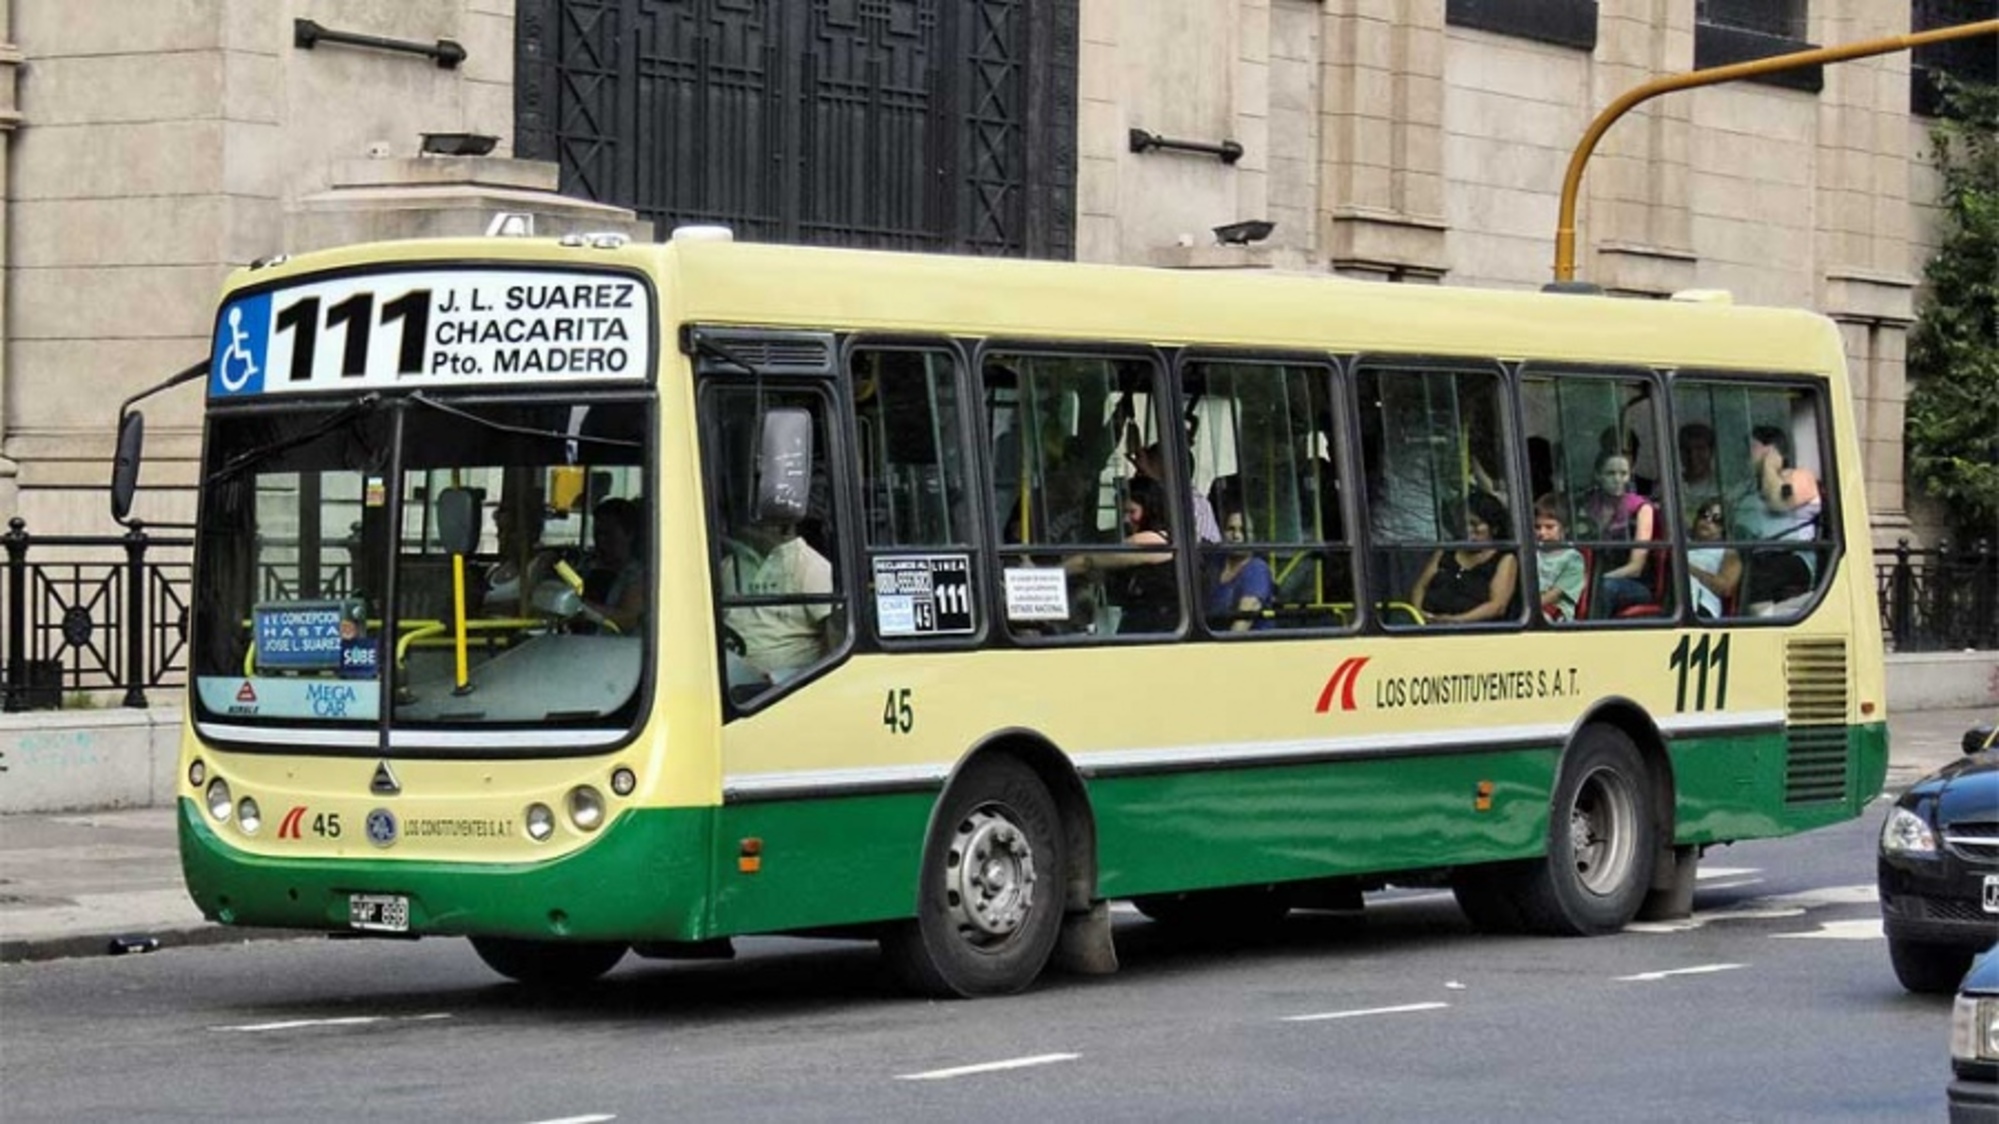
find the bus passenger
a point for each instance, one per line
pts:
(779, 640)
(1697, 468)
(1463, 585)
(1243, 586)
(1782, 503)
(1150, 461)
(1716, 570)
(1558, 567)
(1617, 512)
(1142, 584)
(507, 585)
(616, 536)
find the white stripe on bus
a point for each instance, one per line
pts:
(1226, 753)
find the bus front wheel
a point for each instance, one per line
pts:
(547, 963)
(989, 898)
(1602, 841)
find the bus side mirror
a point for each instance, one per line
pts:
(784, 466)
(125, 467)
(458, 520)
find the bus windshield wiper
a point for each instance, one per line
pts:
(248, 458)
(522, 430)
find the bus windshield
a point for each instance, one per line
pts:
(480, 562)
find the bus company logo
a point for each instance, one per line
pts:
(246, 701)
(1341, 684)
(381, 827)
(288, 828)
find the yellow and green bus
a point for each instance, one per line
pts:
(586, 598)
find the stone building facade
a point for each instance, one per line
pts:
(153, 145)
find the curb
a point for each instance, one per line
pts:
(70, 946)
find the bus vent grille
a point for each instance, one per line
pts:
(771, 353)
(1815, 764)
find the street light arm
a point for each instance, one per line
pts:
(1565, 221)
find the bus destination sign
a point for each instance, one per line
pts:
(433, 329)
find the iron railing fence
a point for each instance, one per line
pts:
(1945, 598)
(92, 613)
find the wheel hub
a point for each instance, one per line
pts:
(989, 877)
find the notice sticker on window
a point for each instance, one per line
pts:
(1037, 593)
(924, 595)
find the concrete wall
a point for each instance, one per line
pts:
(58, 760)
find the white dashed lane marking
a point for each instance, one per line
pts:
(1366, 1012)
(987, 1067)
(314, 1024)
(1696, 970)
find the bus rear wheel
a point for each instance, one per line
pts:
(1602, 841)
(547, 963)
(989, 898)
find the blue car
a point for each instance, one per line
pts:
(1939, 868)
(1973, 1093)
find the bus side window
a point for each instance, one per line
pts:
(1753, 456)
(1063, 496)
(1594, 435)
(1266, 454)
(1439, 495)
(916, 510)
(778, 573)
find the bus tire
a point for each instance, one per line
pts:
(548, 963)
(989, 896)
(1602, 841)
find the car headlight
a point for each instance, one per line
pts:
(1905, 833)
(1974, 1029)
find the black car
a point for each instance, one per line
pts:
(1939, 868)
(1973, 1093)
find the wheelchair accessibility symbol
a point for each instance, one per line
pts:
(241, 339)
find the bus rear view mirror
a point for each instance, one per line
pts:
(125, 468)
(784, 466)
(458, 520)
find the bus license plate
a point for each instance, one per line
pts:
(1992, 893)
(386, 913)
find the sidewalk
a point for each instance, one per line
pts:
(80, 883)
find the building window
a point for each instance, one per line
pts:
(1973, 61)
(1732, 31)
(1565, 23)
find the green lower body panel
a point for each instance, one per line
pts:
(646, 876)
(830, 860)
(1777, 783)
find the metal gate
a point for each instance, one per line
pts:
(941, 125)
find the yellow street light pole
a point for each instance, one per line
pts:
(1565, 222)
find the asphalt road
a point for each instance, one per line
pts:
(1774, 1003)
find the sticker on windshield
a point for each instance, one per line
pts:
(434, 328)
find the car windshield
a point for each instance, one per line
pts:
(479, 562)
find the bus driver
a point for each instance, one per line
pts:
(779, 640)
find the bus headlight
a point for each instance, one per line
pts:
(1905, 833)
(196, 773)
(248, 816)
(540, 822)
(218, 800)
(586, 808)
(623, 781)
